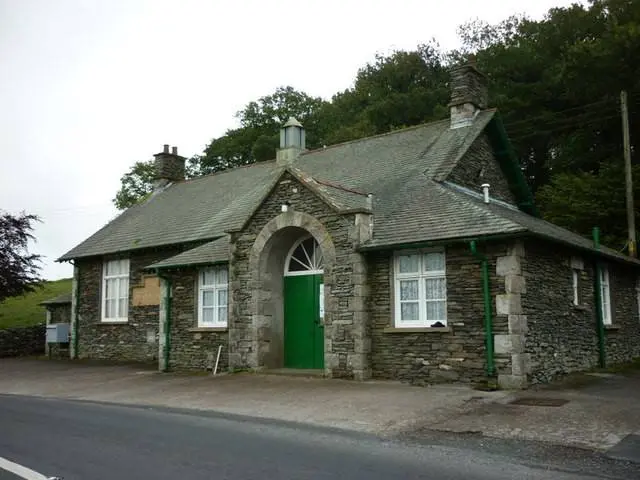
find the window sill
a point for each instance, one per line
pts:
(417, 330)
(112, 322)
(208, 329)
(612, 327)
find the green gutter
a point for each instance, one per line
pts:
(167, 328)
(449, 241)
(488, 314)
(602, 356)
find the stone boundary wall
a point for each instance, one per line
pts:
(22, 341)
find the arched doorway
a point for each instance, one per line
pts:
(304, 305)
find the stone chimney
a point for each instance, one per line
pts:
(292, 142)
(169, 167)
(469, 93)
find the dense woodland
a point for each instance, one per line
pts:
(556, 82)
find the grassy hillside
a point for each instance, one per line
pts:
(23, 311)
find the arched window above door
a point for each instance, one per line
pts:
(305, 258)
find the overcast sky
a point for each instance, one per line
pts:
(89, 87)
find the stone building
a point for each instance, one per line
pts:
(416, 255)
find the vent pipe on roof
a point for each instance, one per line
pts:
(485, 192)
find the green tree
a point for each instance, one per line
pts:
(258, 135)
(137, 184)
(19, 269)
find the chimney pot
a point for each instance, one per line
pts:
(165, 149)
(174, 150)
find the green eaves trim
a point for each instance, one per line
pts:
(446, 241)
(510, 165)
(186, 265)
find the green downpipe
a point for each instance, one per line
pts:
(602, 356)
(488, 315)
(167, 329)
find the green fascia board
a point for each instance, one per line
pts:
(446, 241)
(187, 265)
(510, 165)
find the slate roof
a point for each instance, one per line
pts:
(213, 252)
(200, 209)
(59, 300)
(404, 170)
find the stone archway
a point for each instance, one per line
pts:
(267, 265)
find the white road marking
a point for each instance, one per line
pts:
(19, 470)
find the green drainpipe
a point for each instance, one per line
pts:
(488, 316)
(167, 328)
(602, 356)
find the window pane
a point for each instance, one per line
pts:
(109, 289)
(408, 263)
(108, 268)
(207, 315)
(409, 311)
(110, 309)
(208, 277)
(436, 311)
(223, 277)
(222, 298)
(222, 315)
(123, 287)
(207, 298)
(435, 288)
(122, 308)
(409, 290)
(434, 262)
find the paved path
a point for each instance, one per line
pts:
(80, 441)
(382, 408)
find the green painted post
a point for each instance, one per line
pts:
(602, 356)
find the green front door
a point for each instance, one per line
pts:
(303, 331)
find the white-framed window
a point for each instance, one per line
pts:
(420, 289)
(575, 275)
(115, 290)
(605, 292)
(213, 288)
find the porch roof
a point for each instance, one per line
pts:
(209, 253)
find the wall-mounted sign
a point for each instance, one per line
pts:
(321, 300)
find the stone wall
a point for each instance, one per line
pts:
(253, 328)
(60, 312)
(20, 341)
(192, 347)
(479, 166)
(426, 356)
(137, 339)
(622, 339)
(561, 337)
